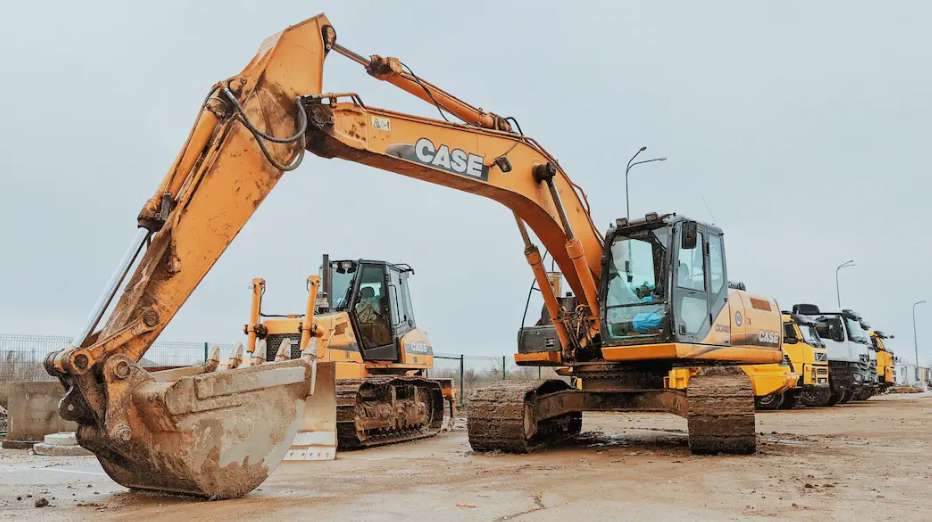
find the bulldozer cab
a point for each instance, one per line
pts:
(376, 297)
(666, 280)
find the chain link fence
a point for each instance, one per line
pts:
(22, 358)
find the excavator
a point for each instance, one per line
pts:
(651, 292)
(360, 317)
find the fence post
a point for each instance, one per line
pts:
(462, 378)
(503, 367)
(205, 351)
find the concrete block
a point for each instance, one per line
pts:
(17, 444)
(33, 411)
(51, 450)
(67, 438)
(5, 393)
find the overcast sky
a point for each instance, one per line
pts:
(801, 128)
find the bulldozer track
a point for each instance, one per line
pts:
(502, 417)
(386, 410)
(720, 413)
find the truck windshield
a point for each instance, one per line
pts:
(810, 335)
(829, 327)
(855, 332)
(635, 298)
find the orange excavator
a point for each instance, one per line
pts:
(648, 295)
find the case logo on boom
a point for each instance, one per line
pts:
(456, 161)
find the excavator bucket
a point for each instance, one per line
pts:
(216, 434)
(214, 431)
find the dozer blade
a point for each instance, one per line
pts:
(216, 434)
(317, 435)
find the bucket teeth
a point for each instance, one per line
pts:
(237, 359)
(258, 356)
(213, 362)
(284, 350)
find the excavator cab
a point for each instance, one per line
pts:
(666, 282)
(376, 297)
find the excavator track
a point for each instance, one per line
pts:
(387, 410)
(720, 415)
(502, 417)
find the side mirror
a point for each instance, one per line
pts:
(690, 235)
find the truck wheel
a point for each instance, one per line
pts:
(847, 395)
(769, 402)
(836, 396)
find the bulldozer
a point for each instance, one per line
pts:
(651, 293)
(359, 316)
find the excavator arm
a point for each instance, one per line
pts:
(219, 434)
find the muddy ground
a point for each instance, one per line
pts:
(870, 461)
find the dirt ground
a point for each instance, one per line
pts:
(868, 460)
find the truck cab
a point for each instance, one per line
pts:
(848, 351)
(886, 371)
(808, 357)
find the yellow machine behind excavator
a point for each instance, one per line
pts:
(359, 316)
(886, 366)
(650, 294)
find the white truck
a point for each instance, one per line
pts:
(849, 352)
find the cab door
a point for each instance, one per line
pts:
(371, 313)
(690, 286)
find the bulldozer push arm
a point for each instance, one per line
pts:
(220, 433)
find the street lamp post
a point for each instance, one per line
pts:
(632, 163)
(846, 264)
(915, 338)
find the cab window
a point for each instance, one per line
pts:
(394, 294)
(789, 333)
(406, 299)
(691, 273)
(693, 306)
(371, 307)
(716, 264)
